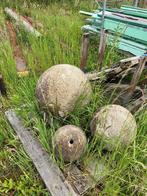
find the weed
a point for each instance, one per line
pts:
(60, 43)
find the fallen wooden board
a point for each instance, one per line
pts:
(20, 20)
(17, 51)
(52, 176)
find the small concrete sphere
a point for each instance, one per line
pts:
(61, 87)
(69, 143)
(115, 124)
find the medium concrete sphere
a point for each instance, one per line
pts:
(69, 143)
(61, 87)
(115, 124)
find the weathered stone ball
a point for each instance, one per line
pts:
(115, 124)
(61, 88)
(69, 143)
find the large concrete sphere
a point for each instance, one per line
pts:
(115, 124)
(61, 87)
(69, 143)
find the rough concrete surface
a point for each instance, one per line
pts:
(69, 143)
(115, 123)
(61, 88)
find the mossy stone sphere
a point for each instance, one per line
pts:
(69, 143)
(115, 124)
(61, 88)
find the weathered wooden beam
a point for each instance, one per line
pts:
(138, 104)
(17, 51)
(135, 3)
(20, 20)
(137, 75)
(89, 178)
(80, 181)
(84, 51)
(102, 47)
(119, 93)
(114, 69)
(32, 22)
(48, 170)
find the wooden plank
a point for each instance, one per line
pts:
(88, 178)
(17, 51)
(48, 170)
(119, 94)
(84, 51)
(115, 69)
(138, 104)
(20, 20)
(32, 22)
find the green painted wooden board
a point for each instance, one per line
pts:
(123, 44)
(129, 12)
(129, 31)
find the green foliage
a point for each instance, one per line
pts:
(60, 43)
(23, 186)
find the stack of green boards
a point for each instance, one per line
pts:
(127, 26)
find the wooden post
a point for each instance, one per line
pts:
(135, 3)
(48, 170)
(2, 86)
(84, 51)
(137, 75)
(19, 19)
(102, 37)
(102, 47)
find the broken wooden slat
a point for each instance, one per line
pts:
(2, 86)
(132, 60)
(80, 181)
(17, 52)
(88, 178)
(84, 50)
(119, 93)
(120, 87)
(35, 23)
(27, 26)
(138, 104)
(137, 75)
(115, 69)
(48, 170)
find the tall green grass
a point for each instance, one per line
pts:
(60, 43)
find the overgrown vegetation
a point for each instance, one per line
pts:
(60, 43)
